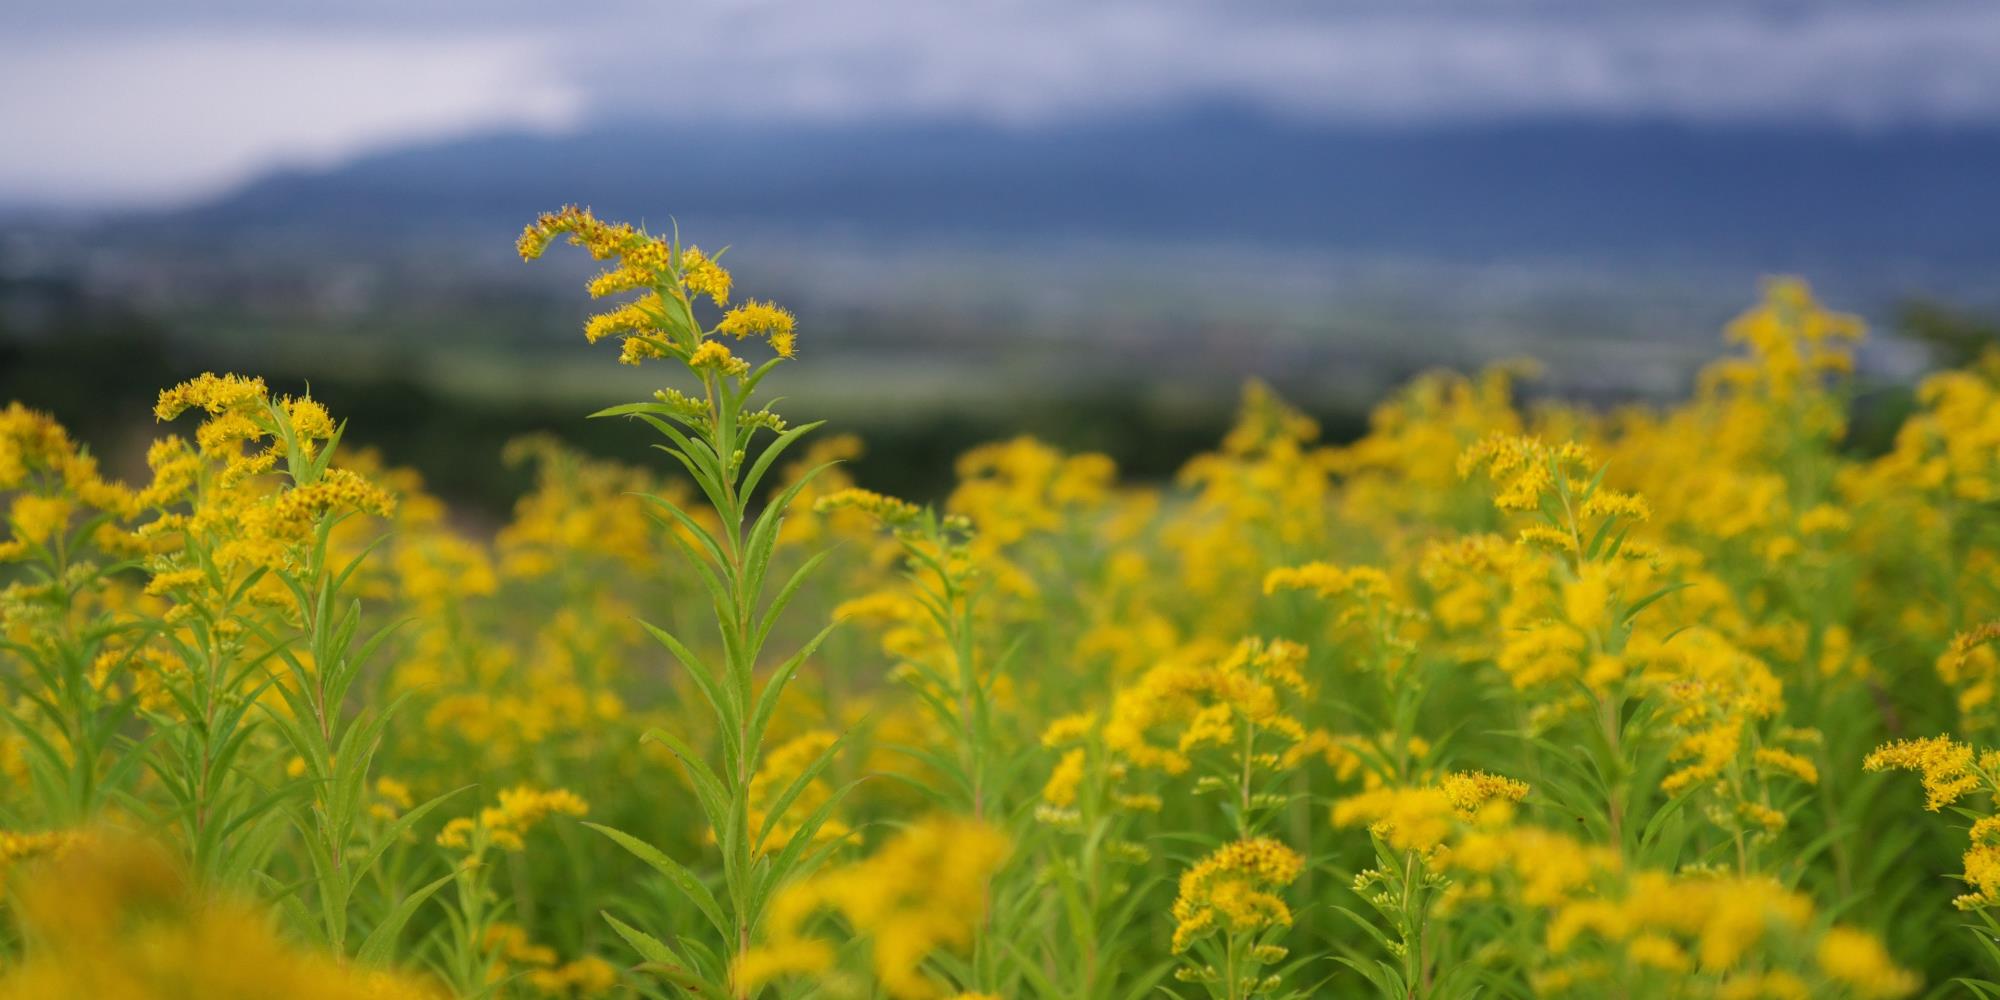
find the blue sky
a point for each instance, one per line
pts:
(135, 102)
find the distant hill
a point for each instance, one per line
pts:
(1754, 196)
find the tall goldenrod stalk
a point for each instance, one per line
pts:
(713, 436)
(334, 745)
(958, 694)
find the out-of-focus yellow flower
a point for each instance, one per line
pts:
(922, 891)
(113, 918)
(1857, 960)
(502, 825)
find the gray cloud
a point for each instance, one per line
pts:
(166, 115)
(126, 100)
(1848, 61)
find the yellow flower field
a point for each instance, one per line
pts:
(1500, 700)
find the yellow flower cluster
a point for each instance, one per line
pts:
(1715, 934)
(660, 322)
(17, 847)
(1951, 771)
(1948, 767)
(1421, 818)
(1792, 340)
(887, 509)
(502, 825)
(52, 480)
(115, 919)
(1232, 890)
(1361, 582)
(762, 319)
(218, 498)
(542, 968)
(1225, 701)
(922, 891)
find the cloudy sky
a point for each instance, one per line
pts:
(145, 101)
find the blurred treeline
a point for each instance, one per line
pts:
(98, 365)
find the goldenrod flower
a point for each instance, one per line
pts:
(1659, 952)
(713, 356)
(1206, 700)
(1785, 761)
(1470, 791)
(603, 240)
(703, 276)
(1945, 765)
(308, 418)
(216, 394)
(1231, 890)
(114, 918)
(887, 509)
(643, 315)
(1327, 581)
(1858, 960)
(1408, 819)
(502, 825)
(757, 319)
(1060, 790)
(791, 957)
(1067, 729)
(39, 518)
(923, 891)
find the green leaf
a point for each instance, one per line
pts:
(785, 595)
(771, 453)
(708, 788)
(764, 533)
(662, 961)
(701, 534)
(719, 698)
(396, 830)
(676, 873)
(379, 946)
(718, 592)
(793, 857)
(1647, 601)
(774, 687)
(627, 409)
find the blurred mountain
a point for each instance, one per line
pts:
(1750, 196)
